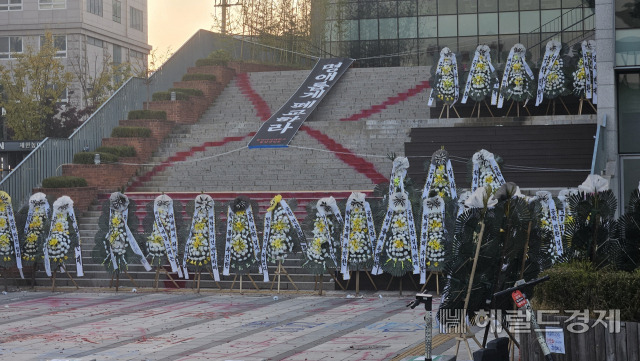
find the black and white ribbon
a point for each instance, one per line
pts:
(133, 243)
(429, 206)
(431, 175)
(589, 61)
(481, 51)
(265, 242)
(518, 51)
(14, 235)
(78, 248)
(170, 239)
(547, 199)
(254, 238)
(447, 55)
(551, 54)
(484, 158)
(227, 247)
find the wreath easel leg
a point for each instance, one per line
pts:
(253, 282)
(157, 278)
(371, 279)
(488, 108)
(214, 279)
(130, 278)
(335, 279)
(71, 278)
(53, 279)
(171, 278)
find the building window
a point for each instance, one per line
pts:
(136, 18)
(59, 42)
(10, 5)
(117, 54)
(95, 42)
(52, 4)
(136, 54)
(117, 11)
(64, 96)
(94, 7)
(9, 46)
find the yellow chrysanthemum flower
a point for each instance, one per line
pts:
(31, 237)
(399, 244)
(199, 226)
(355, 245)
(59, 227)
(4, 240)
(399, 223)
(435, 244)
(115, 221)
(280, 225)
(238, 226)
(53, 242)
(517, 66)
(36, 222)
(238, 246)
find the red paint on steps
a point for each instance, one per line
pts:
(374, 109)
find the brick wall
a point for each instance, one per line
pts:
(105, 177)
(222, 73)
(159, 128)
(82, 196)
(182, 111)
(210, 88)
(144, 147)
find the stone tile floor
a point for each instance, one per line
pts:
(90, 325)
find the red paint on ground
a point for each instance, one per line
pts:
(374, 109)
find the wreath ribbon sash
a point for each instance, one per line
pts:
(431, 175)
(170, 240)
(78, 248)
(474, 64)
(454, 70)
(551, 54)
(476, 173)
(227, 245)
(265, 242)
(254, 237)
(507, 71)
(16, 240)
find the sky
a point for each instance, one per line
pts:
(173, 22)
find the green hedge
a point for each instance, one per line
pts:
(160, 96)
(147, 114)
(188, 77)
(187, 91)
(88, 158)
(208, 62)
(131, 132)
(120, 150)
(64, 182)
(579, 286)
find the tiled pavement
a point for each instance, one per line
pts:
(206, 326)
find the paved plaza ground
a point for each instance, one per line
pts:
(208, 326)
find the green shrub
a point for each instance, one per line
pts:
(207, 62)
(218, 57)
(87, 157)
(160, 96)
(188, 77)
(64, 182)
(187, 91)
(120, 150)
(131, 132)
(147, 114)
(578, 285)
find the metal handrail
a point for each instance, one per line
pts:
(48, 157)
(598, 161)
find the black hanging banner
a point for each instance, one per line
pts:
(283, 125)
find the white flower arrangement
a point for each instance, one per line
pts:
(435, 241)
(580, 79)
(487, 177)
(6, 236)
(198, 252)
(445, 84)
(318, 250)
(241, 247)
(36, 228)
(280, 242)
(555, 82)
(398, 247)
(481, 77)
(359, 241)
(155, 242)
(441, 182)
(58, 243)
(117, 235)
(519, 82)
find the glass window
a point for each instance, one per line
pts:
(466, 50)
(136, 54)
(629, 112)
(447, 7)
(9, 46)
(388, 9)
(451, 43)
(136, 18)
(467, 6)
(468, 25)
(52, 4)
(94, 7)
(388, 47)
(410, 47)
(428, 26)
(572, 20)
(630, 177)
(406, 8)
(570, 4)
(488, 24)
(117, 54)
(408, 27)
(529, 21)
(369, 29)
(508, 5)
(628, 47)
(59, 42)
(504, 47)
(427, 7)
(550, 20)
(428, 47)
(508, 23)
(447, 25)
(550, 4)
(95, 42)
(627, 14)
(10, 5)
(389, 28)
(487, 6)
(350, 11)
(368, 10)
(350, 30)
(117, 11)
(529, 5)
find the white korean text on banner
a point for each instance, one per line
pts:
(280, 128)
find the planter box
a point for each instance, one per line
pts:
(144, 147)
(159, 128)
(598, 343)
(182, 111)
(82, 196)
(223, 74)
(211, 89)
(105, 177)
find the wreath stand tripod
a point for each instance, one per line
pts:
(198, 276)
(279, 271)
(116, 274)
(358, 281)
(553, 110)
(517, 108)
(320, 280)
(400, 283)
(250, 278)
(465, 335)
(157, 279)
(582, 99)
(63, 269)
(479, 105)
(448, 107)
(436, 274)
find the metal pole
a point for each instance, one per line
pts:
(425, 298)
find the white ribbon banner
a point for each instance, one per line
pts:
(227, 246)
(16, 240)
